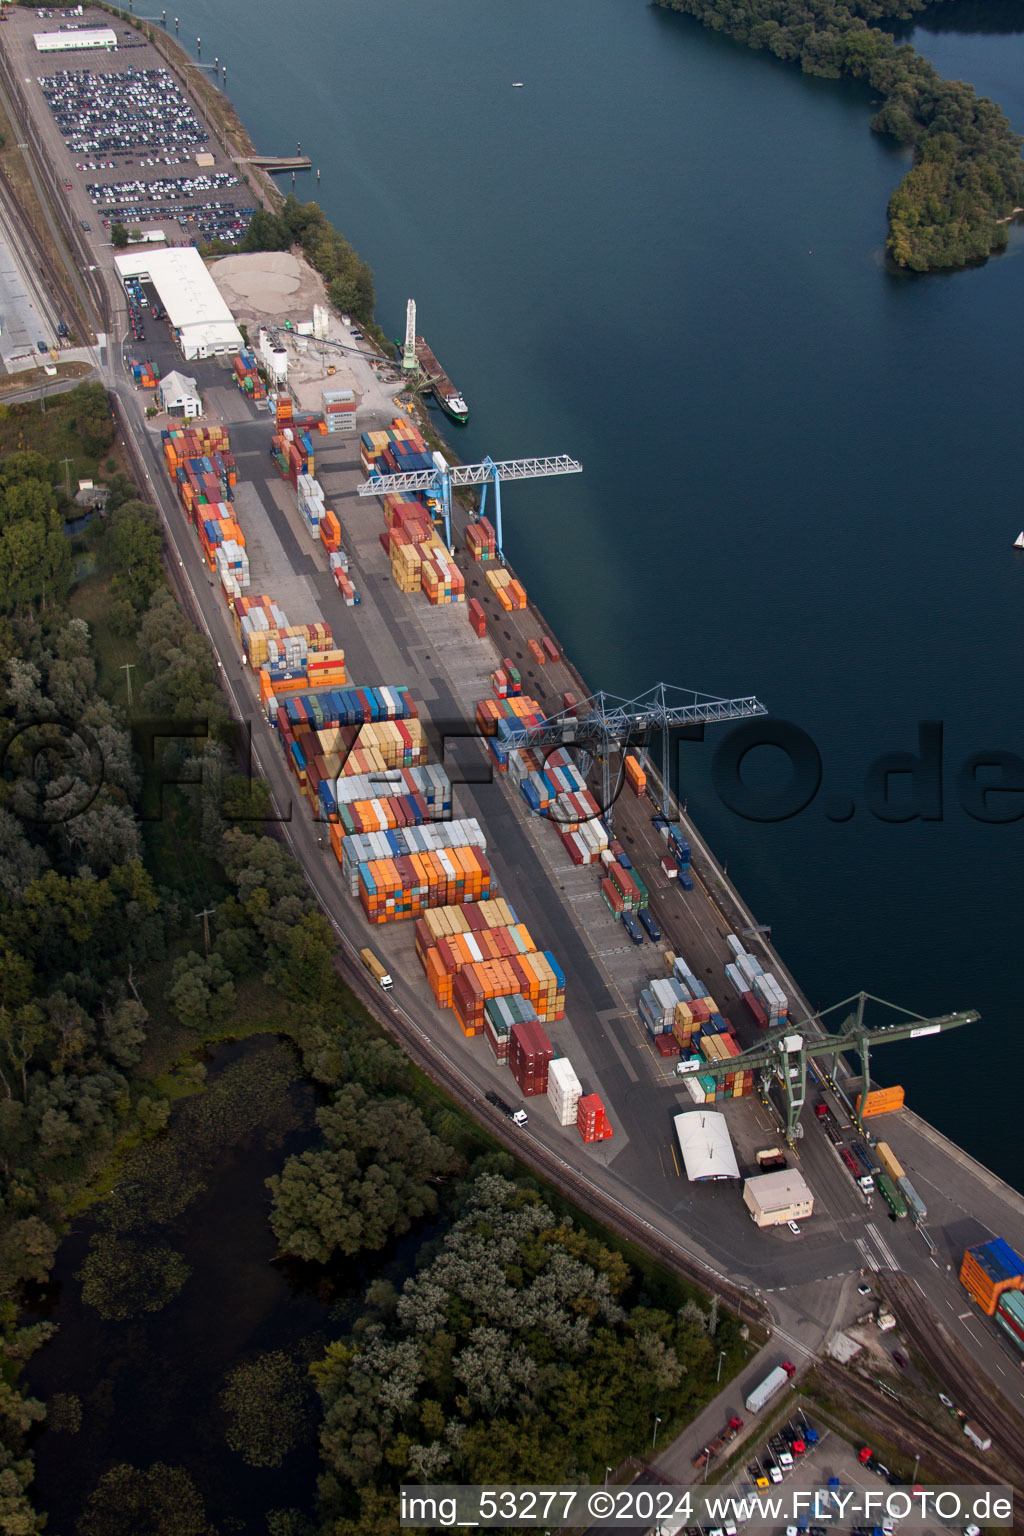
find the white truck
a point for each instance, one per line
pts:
(773, 1382)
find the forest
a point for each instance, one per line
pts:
(967, 177)
(143, 924)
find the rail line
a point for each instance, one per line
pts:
(975, 1391)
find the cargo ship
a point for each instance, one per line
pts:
(445, 393)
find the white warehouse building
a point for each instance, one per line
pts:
(201, 319)
(67, 41)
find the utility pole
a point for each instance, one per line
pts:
(206, 914)
(67, 475)
(127, 670)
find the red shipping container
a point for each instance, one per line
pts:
(755, 1010)
(529, 1053)
(550, 647)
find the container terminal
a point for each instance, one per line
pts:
(354, 637)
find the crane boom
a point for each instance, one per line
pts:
(785, 1051)
(438, 482)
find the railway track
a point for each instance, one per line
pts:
(952, 1364)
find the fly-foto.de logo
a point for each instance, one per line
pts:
(897, 786)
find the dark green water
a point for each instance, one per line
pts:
(802, 474)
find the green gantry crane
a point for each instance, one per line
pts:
(783, 1053)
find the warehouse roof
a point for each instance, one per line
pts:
(705, 1145)
(69, 38)
(779, 1190)
(187, 292)
(179, 386)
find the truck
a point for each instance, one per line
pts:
(716, 1446)
(865, 1181)
(517, 1116)
(378, 971)
(773, 1382)
(977, 1436)
(770, 1158)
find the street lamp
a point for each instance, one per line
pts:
(606, 1472)
(721, 1357)
(654, 1441)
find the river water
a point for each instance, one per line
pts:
(663, 255)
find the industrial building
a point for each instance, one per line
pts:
(68, 40)
(179, 396)
(775, 1198)
(201, 320)
(706, 1147)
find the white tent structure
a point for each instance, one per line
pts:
(705, 1144)
(179, 396)
(201, 319)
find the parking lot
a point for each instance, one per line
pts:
(135, 148)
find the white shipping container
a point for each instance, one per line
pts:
(749, 966)
(734, 944)
(736, 980)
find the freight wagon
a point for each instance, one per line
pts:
(889, 1161)
(890, 1194)
(915, 1204)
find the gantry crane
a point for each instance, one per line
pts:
(437, 483)
(606, 724)
(783, 1053)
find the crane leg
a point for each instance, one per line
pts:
(497, 518)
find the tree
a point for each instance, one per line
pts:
(372, 1179)
(28, 1251)
(266, 1404)
(201, 990)
(136, 545)
(118, 236)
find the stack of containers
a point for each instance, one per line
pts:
(564, 1090)
(501, 1014)
(326, 668)
(511, 594)
(587, 843)
(636, 778)
(537, 651)
(771, 997)
(480, 540)
(880, 1101)
(477, 618)
(530, 1054)
(246, 375)
(591, 1120)
(393, 889)
(534, 975)
(311, 502)
(342, 580)
(232, 566)
(658, 1009)
(440, 577)
(365, 847)
(256, 612)
(339, 410)
(330, 530)
(988, 1270)
(454, 952)
(283, 411)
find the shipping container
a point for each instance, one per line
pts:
(989, 1269)
(889, 1161)
(880, 1101)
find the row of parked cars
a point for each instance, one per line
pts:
(142, 110)
(163, 187)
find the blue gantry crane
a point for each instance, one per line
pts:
(437, 484)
